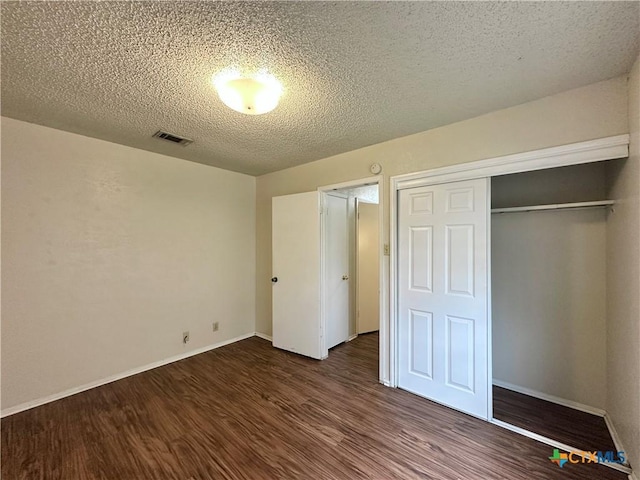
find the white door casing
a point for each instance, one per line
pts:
(336, 283)
(443, 289)
(296, 265)
(368, 268)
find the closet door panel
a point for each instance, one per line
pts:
(443, 270)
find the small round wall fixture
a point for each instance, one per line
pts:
(375, 168)
(249, 94)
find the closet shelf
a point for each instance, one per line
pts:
(554, 206)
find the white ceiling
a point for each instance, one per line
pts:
(355, 73)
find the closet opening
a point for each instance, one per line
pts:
(526, 238)
(548, 295)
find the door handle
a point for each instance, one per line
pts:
(345, 277)
(274, 279)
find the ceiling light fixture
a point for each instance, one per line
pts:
(253, 95)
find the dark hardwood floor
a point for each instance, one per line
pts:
(248, 411)
(572, 427)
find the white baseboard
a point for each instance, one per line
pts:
(616, 440)
(134, 371)
(556, 444)
(352, 337)
(550, 398)
(567, 403)
(614, 435)
(264, 336)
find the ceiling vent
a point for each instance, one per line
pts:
(170, 137)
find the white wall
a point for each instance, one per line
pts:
(594, 111)
(623, 288)
(549, 302)
(109, 253)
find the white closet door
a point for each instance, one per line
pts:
(443, 346)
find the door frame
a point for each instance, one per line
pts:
(607, 148)
(324, 191)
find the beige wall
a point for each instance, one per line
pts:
(109, 253)
(548, 278)
(586, 113)
(623, 292)
(575, 183)
(549, 283)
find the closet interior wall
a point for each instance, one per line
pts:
(549, 283)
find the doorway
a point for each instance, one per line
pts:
(367, 266)
(351, 261)
(314, 292)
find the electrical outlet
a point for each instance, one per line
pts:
(216, 326)
(386, 249)
(185, 337)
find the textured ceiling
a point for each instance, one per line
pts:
(354, 73)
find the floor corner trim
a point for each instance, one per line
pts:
(264, 336)
(617, 441)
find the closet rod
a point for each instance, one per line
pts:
(555, 206)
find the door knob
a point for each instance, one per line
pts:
(274, 279)
(345, 277)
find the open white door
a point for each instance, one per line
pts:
(336, 280)
(443, 347)
(368, 268)
(296, 273)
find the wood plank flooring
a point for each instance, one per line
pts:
(572, 427)
(249, 411)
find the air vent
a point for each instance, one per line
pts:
(170, 137)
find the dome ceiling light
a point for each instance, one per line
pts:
(252, 95)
